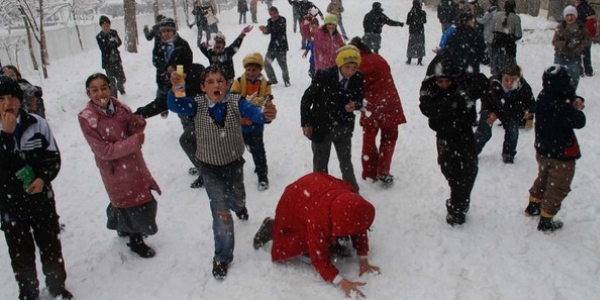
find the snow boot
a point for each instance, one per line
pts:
(219, 270)
(386, 178)
(242, 214)
(549, 225)
(455, 219)
(62, 295)
(533, 209)
(264, 233)
(198, 183)
(263, 183)
(137, 245)
(193, 171)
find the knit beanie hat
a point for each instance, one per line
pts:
(254, 58)
(219, 37)
(350, 214)
(347, 54)
(331, 19)
(9, 86)
(570, 10)
(168, 24)
(104, 19)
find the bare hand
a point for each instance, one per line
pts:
(247, 29)
(307, 131)
(36, 186)
(262, 28)
(491, 118)
(350, 107)
(304, 54)
(350, 287)
(137, 120)
(578, 104)
(9, 122)
(141, 137)
(365, 267)
(170, 69)
(270, 111)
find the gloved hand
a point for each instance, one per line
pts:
(401, 24)
(247, 29)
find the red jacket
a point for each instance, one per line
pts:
(312, 212)
(118, 154)
(383, 107)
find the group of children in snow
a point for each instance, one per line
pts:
(214, 115)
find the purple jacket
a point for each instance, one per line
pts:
(118, 154)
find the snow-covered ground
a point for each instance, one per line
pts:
(497, 254)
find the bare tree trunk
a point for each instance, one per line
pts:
(155, 8)
(43, 49)
(30, 43)
(175, 13)
(130, 26)
(186, 11)
(77, 28)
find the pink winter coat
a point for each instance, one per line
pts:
(325, 47)
(312, 212)
(118, 154)
(383, 107)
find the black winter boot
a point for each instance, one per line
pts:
(242, 214)
(549, 225)
(198, 183)
(137, 245)
(62, 295)
(264, 233)
(456, 215)
(533, 209)
(219, 270)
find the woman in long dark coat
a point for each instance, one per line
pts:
(416, 40)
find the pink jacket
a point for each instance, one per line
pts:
(325, 47)
(118, 154)
(312, 212)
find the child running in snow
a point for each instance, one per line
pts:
(257, 90)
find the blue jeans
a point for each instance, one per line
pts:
(511, 134)
(573, 66)
(225, 189)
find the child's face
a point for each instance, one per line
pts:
(509, 81)
(348, 70)
(99, 92)
(167, 35)
(105, 27)
(443, 83)
(570, 18)
(314, 27)
(215, 86)
(9, 104)
(219, 47)
(252, 71)
(331, 27)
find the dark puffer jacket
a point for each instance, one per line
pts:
(511, 104)
(556, 117)
(375, 19)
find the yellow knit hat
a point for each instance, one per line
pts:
(254, 58)
(331, 19)
(347, 55)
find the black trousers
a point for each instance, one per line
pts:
(256, 146)
(457, 158)
(187, 140)
(21, 238)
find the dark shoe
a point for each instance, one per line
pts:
(589, 74)
(164, 114)
(508, 159)
(122, 234)
(137, 245)
(264, 233)
(198, 183)
(386, 178)
(287, 83)
(455, 218)
(340, 249)
(420, 61)
(533, 209)
(274, 82)
(63, 295)
(242, 214)
(193, 171)
(219, 270)
(549, 225)
(263, 185)
(408, 61)
(122, 92)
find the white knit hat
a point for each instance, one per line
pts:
(570, 10)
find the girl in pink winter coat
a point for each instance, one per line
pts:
(116, 136)
(326, 41)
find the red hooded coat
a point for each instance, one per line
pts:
(383, 108)
(118, 154)
(312, 212)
